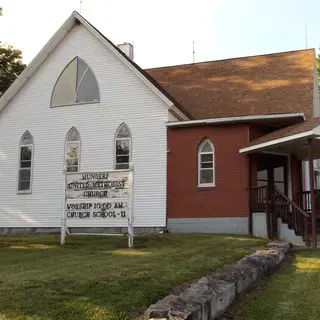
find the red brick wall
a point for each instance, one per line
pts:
(257, 130)
(229, 198)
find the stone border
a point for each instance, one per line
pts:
(209, 297)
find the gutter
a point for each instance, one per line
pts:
(233, 119)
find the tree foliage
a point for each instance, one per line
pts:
(11, 66)
(318, 66)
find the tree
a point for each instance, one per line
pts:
(318, 66)
(11, 66)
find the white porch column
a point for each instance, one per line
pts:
(306, 182)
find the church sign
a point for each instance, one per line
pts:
(97, 209)
(98, 195)
(98, 185)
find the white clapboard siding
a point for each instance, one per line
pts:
(124, 98)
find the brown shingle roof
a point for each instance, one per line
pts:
(267, 84)
(287, 131)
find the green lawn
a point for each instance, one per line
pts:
(292, 294)
(99, 278)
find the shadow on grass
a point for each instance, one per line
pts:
(99, 278)
(95, 299)
(61, 299)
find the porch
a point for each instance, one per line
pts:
(282, 180)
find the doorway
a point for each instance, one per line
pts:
(273, 171)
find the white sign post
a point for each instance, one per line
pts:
(105, 196)
(63, 217)
(130, 216)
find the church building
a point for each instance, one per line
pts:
(224, 146)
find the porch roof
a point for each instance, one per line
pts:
(289, 140)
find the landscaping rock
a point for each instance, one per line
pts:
(209, 297)
(161, 309)
(225, 294)
(231, 275)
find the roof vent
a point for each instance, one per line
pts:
(127, 48)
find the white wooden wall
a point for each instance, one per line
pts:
(124, 98)
(171, 117)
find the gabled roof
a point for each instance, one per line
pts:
(74, 19)
(257, 85)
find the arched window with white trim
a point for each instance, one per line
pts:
(72, 151)
(122, 147)
(76, 84)
(25, 163)
(206, 165)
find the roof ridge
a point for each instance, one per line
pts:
(227, 59)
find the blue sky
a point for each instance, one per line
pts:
(163, 31)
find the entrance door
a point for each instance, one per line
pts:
(272, 171)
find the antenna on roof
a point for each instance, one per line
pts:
(306, 35)
(80, 6)
(193, 52)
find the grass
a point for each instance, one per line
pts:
(292, 294)
(98, 278)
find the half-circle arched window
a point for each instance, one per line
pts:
(206, 165)
(72, 150)
(122, 147)
(25, 163)
(76, 84)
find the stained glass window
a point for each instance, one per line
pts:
(25, 163)
(122, 147)
(72, 151)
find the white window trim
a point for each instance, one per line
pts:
(115, 146)
(205, 185)
(19, 165)
(65, 166)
